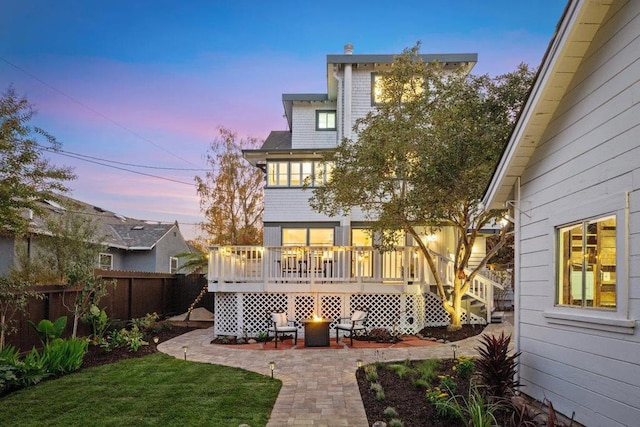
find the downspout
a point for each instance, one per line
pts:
(348, 50)
(340, 126)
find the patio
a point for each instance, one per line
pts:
(319, 384)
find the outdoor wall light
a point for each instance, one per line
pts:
(184, 350)
(359, 363)
(272, 367)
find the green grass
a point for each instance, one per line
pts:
(155, 390)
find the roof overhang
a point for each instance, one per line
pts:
(259, 158)
(450, 60)
(574, 34)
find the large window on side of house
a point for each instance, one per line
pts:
(301, 173)
(411, 90)
(105, 261)
(173, 265)
(587, 263)
(277, 174)
(325, 119)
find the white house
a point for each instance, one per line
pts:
(312, 264)
(571, 174)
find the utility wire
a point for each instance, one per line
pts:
(125, 169)
(58, 150)
(94, 111)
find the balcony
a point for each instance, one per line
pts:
(334, 269)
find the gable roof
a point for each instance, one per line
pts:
(119, 231)
(574, 34)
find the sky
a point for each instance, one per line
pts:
(149, 83)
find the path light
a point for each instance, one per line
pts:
(453, 347)
(184, 350)
(155, 340)
(359, 363)
(272, 366)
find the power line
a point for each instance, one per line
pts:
(123, 169)
(57, 150)
(94, 111)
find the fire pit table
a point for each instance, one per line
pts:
(316, 332)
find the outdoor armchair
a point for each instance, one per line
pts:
(356, 324)
(280, 324)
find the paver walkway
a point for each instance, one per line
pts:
(319, 386)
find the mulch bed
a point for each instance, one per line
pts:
(96, 356)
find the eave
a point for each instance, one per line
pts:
(577, 27)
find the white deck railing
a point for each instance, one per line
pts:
(318, 265)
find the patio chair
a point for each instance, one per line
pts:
(279, 324)
(357, 323)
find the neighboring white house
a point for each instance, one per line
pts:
(571, 174)
(314, 264)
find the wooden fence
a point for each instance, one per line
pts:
(134, 295)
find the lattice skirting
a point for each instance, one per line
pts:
(246, 314)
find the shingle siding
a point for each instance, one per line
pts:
(304, 133)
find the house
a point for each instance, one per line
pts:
(132, 244)
(313, 264)
(570, 175)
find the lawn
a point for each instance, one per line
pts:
(148, 391)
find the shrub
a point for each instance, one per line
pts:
(148, 322)
(401, 370)
(464, 367)
(474, 410)
(371, 373)
(132, 339)
(395, 422)
(47, 330)
(32, 369)
(496, 367)
(447, 383)
(63, 357)
(99, 321)
(427, 369)
(390, 412)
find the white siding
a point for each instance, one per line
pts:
(290, 204)
(590, 151)
(304, 133)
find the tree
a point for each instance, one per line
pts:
(231, 194)
(26, 177)
(66, 254)
(422, 160)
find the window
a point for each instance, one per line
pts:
(298, 173)
(277, 174)
(587, 263)
(307, 237)
(105, 261)
(173, 265)
(411, 90)
(326, 120)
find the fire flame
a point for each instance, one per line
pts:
(316, 318)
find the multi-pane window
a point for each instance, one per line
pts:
(173, 265)
(587, 263)
(298, 173)
(105, 261)
(410, 90)
(307, 237)
(326, 120)
(277, 174)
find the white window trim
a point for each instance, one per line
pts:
(171, 259)
(335, 120)
(100, 255)
(604, 319)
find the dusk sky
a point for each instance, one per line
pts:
(149, 82)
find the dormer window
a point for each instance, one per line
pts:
(325, 119)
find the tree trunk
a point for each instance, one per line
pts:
(456, 313)
(2, 326)
(76, 318)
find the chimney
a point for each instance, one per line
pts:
(348, 49)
